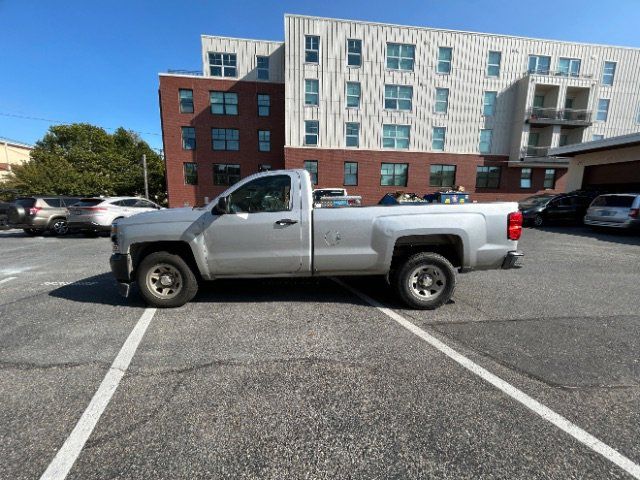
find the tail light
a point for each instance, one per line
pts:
(634, 212)
(34, 210)
(514, 225)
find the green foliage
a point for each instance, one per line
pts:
(82, 159)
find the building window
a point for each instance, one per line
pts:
(395, 136)
(569, 67)
(442, 100)
(485, 140)
(608, 73)
(222, 64)
(489, 103)
(190, 173)
(264, 105)
(525, 178)
(224, 103)
(350, 173)
(595, 137)
(311, 166)
(442, 176)
(226, 174)
(493, 64)
(488, 177)
(354, 52)
(263, 67)
(352, 134)
(311, 48)
(400, 56)
(437, 142)
(353, 94)
(394, 174)
(186, 100)
(188, 138)
(397, 97)
(564, 140)
(550, 178)
(603, 110)
(225, 139)
(264, 140)
(539, 64)
(311, 95)
(311, 129)
(444, 59)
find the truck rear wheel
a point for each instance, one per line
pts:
(425, 281)
(165, 280)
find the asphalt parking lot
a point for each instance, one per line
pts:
(305, 379)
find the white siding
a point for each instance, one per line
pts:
(246, 52)
(466, 83)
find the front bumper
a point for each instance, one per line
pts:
(122, 268)
(511, 260)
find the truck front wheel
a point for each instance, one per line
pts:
(165, 280)
(425, 281)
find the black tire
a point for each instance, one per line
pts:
(58, 227)
(187, 280)
(538, 221)
(438, 279)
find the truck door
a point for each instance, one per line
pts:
(262, 233)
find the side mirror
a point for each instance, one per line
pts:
(222, 206)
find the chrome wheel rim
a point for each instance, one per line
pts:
(164, 281)
(427, 282)
(537, 221)
(60, 227)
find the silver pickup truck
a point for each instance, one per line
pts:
(266, 226)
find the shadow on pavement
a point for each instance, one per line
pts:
(609, 235)
(102, 289)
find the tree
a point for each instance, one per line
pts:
(82, 159)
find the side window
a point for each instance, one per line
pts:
(144, 204)
(53, 202)
(131, 202)
(266, 194)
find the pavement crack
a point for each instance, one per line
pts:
(27, 366)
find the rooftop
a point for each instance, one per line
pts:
(612, 143)
(15, 143)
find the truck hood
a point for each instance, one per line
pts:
(170, 215)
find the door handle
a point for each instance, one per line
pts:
(286, 221)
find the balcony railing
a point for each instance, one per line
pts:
(559, 73)
(196, 73)
(535, 151)
(563, 116)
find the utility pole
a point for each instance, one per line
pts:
(146, 181)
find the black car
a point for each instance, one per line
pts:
(548, 208)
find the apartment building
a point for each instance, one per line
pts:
(378, 108)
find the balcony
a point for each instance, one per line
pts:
(191, 73)
(559, 73)
(534, 151)
(568, 117)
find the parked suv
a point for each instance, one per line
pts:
(620, 210)
(564, 208)
(36, 215)
(94, 215)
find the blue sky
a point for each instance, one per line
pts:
(97, 62)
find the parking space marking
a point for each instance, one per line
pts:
(8, 279)
(545, 412)
(60, 466)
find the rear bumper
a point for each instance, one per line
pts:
(511, 260)
(34, 222)
(121, 268)
(628, 224)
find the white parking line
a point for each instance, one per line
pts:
(545, 412)
(8, 279)
(67, 455)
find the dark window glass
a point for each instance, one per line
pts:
(525, 178)
(264, 105)
(266, 194)
(488, 177)
(186, 100)
(394, 174)
(550, 178)
(54, 202)
(350, 173)
(442, 176)
(264, 140)
(311, 166)
(263, 68)
(188, 138)
(620, 201)
(222, 64)
(224, 103)
(226, 174)
(190, 173)
(225, 139)
(311, 48)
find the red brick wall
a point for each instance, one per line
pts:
(331, 162)
(247, 122)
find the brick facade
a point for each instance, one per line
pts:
(247, 122)
(331, 163)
